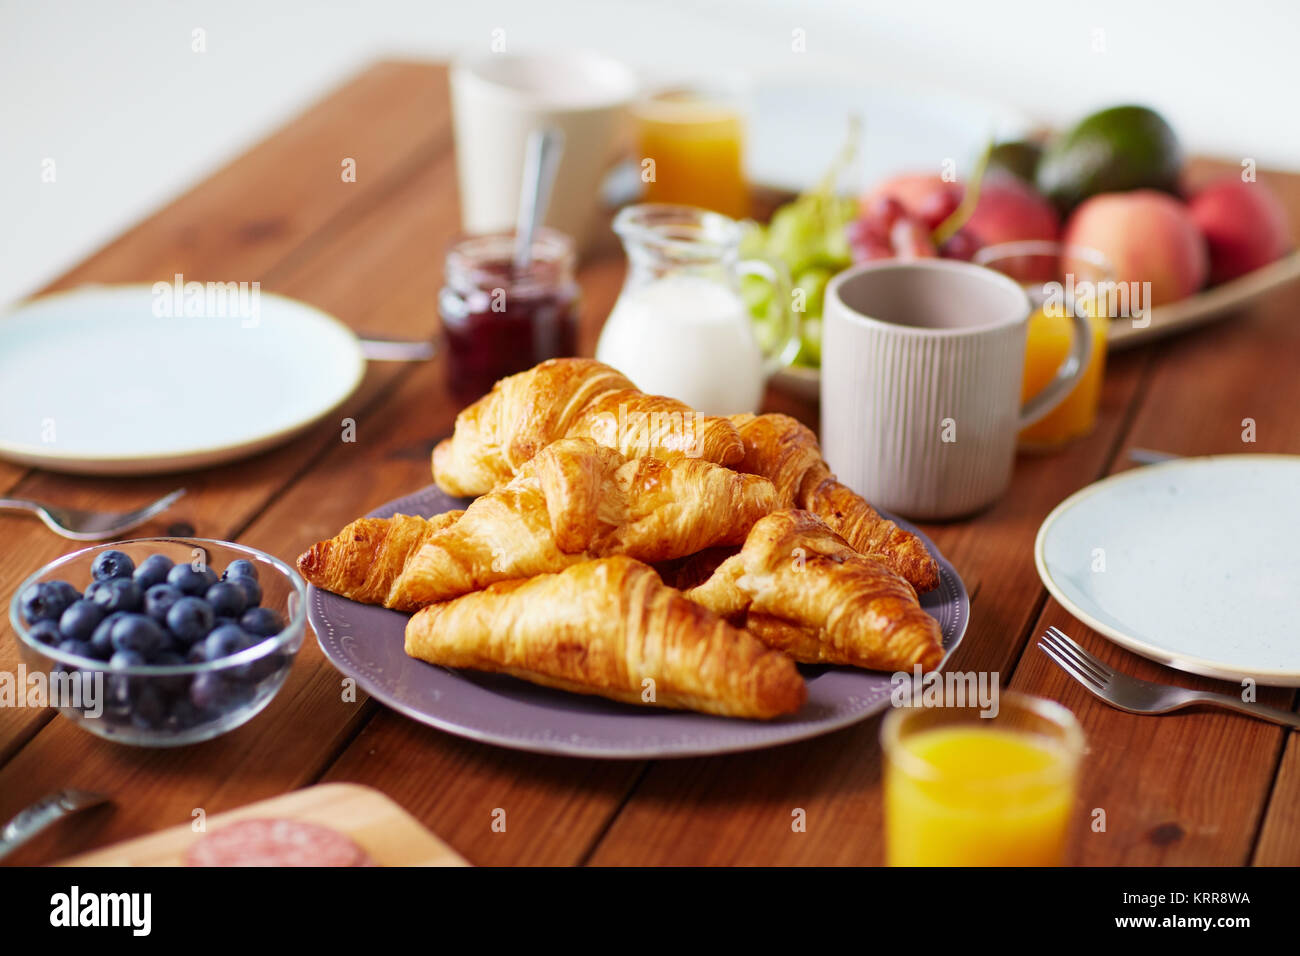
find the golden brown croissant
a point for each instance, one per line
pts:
(799, 587)
(576, 398)
(577, 500)
(365, 559)
(610, 627)
(782, 449)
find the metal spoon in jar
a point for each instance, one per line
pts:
(541, 161)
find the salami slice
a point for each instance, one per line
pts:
(275, 843)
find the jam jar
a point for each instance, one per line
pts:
(498, 320)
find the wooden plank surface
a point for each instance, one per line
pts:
(1197, 788)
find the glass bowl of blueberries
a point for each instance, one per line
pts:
(160, 642)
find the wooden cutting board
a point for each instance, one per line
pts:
(390, 835)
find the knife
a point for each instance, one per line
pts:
(42, 813)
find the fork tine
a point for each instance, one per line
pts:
(1092, 659)
(1101, 675)
(1067, 665)
(162, 504)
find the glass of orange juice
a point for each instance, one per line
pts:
(963, 789)
(1060, 281)
(691, 143)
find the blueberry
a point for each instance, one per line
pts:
(171, 684)
(190, 619)
(78, 648)
(126, 658)
(196, 654)
(112, 564)
(182, 715)
(158, 600)
(46, 632)
(137, 632)
(242, 568)
(118, 594)
(46, 601)
(261, 621)
(252, 590)
(66, 590)
(207, 690)
(81, 618)
(149, 710)
(260, 670)
(226, 640)
(190, 581)
(227, 599)
(101, 640)
(153, 570)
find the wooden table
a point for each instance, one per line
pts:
(1204, 787)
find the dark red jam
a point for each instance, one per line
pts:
(498, 320)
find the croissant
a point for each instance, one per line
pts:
(576, 398)
(365, 559)
(799, 587)
(610, 627)
(782, 449)
(694, 569)
(577, 500)
(574, 501)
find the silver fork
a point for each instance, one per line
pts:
(1139, 696)
(82, 525)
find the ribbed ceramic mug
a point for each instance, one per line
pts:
(922, 364)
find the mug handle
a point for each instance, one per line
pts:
(787, 342)
(1066, 376)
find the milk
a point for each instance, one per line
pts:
(688, 337)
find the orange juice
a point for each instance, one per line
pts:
(1000, 798)
(697, 146)
(1047, 347)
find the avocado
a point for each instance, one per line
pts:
(1018, 157)
(1118, 149)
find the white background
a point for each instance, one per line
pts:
(111, 90)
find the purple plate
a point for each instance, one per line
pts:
(366, 643)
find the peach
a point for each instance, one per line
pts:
(1147, 236)
(1244, 224)
(1009, 210)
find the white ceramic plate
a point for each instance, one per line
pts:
(1201, 565)
(797, 129)
(94, 381)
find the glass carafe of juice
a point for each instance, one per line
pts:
(680, 326)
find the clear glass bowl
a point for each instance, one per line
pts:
(160, 706)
